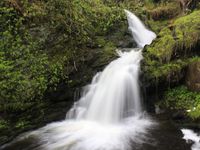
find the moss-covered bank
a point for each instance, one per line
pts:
(174, 44)
(167, 59)
(182, 99)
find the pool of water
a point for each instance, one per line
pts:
(161, 135)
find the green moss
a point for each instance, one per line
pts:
(157, 26)
(162, 48)
(22, 124)
(165, 11)
(187, 31)
(47, 41)
(109, 49)
(168, 72)
(195, 113)
(107, 53)
(194, 59)
(180, 98)
(26, 70)
(100, 41)
(178, 39)
(169, 69)
(3, 124)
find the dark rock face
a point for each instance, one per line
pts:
(127, 42)
(193, 76)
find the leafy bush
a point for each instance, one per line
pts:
(180, 98)
(3, 124)
(39, 37)
(63, 25)
(26, 72)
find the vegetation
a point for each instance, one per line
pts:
(174, 43)
(165, 11)
(167, 58)
(187, 31)
(47, 45)
(26, 71)
(38, 37)
(180, 98)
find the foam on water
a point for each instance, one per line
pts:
(89, 135)
(190, 135)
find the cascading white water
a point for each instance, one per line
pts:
(108, 116)
(189, 136)
(142, 36)
(114, 93)
(116, 89)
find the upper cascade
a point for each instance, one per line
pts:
(140, 33)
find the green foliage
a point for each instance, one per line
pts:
(162, 48)
(187, 30)
(180, 98)
(41, 40)
(26, 72)
(166, 55)
(184, 33)
(157, 26)
(169, 70)
(21, 124)
(64, 25)
(195, 113)
(3, 124)
(194, 59)
(165, 11)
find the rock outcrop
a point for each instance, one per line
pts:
(193, 76)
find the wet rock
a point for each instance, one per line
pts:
(159, 110)
(178, 115)
(190, 142)
(165, 136)
(193, 76)
(127, 42)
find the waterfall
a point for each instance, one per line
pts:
(114, 93)
(141, 34)
(109, 114)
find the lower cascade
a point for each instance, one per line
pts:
(109, 114)
(113, 94)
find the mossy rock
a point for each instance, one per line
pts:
(173, 45)
(162, 48)
(165, 11)
(187, 31)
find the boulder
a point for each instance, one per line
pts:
(193, 76)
